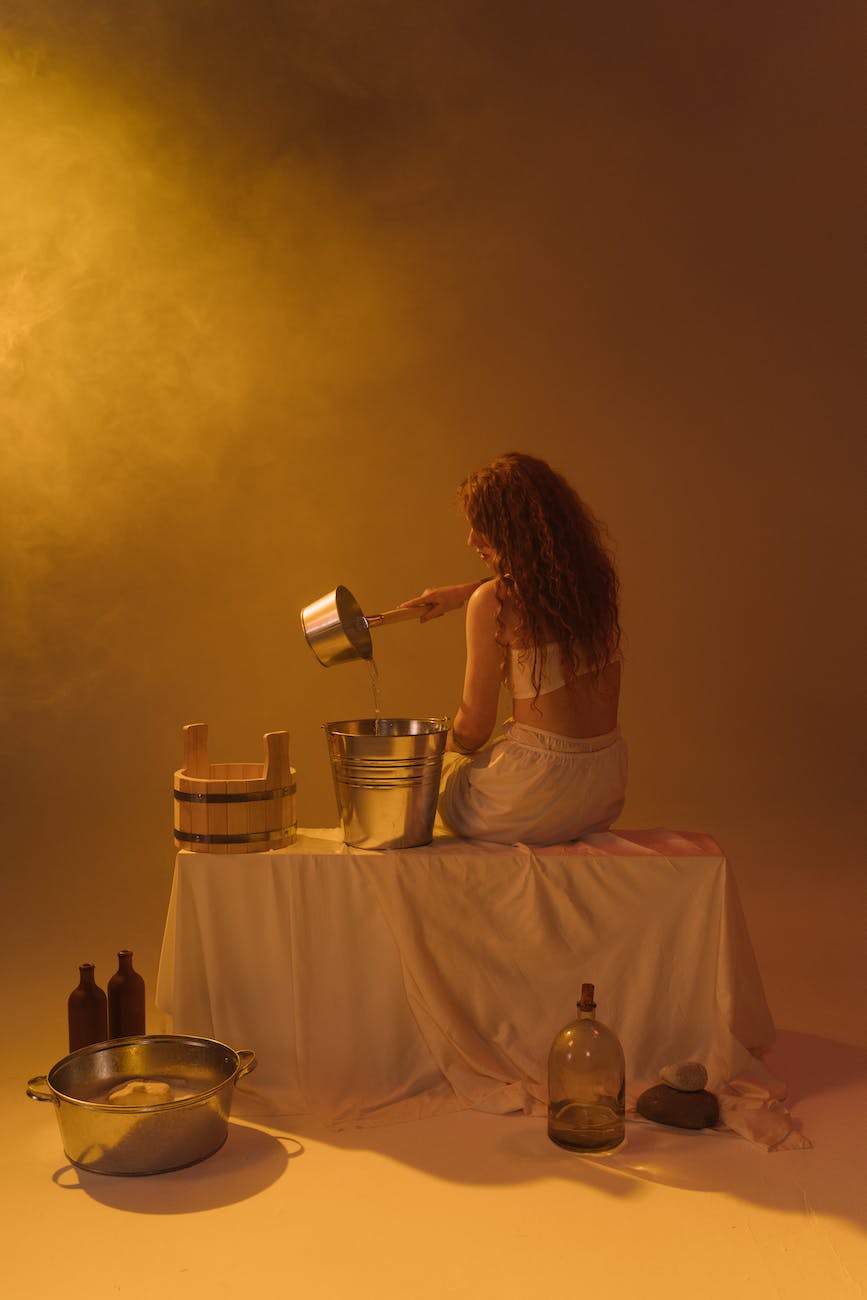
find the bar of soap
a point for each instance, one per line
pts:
(140, 1092)
(688, 1076)
(667, 1105)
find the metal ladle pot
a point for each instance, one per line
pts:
(337, 631)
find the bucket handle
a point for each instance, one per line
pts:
(246, 1063)
(38, 1088)
(196, 751)
(276, 770)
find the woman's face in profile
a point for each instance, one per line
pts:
(482, 546)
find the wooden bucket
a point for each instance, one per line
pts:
(234, 807)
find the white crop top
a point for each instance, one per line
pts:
(521, 672)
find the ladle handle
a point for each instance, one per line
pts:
(396, 615)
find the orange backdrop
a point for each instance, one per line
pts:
(275, 280)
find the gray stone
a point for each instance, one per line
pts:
(667, 1105)
(688, 1076)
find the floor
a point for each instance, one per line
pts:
(479, 1205)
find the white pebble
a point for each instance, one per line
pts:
(688, 1076)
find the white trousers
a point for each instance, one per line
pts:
(529, 786)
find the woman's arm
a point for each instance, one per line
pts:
(477, 714)
(443, 599)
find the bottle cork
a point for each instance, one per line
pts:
(587, 1002)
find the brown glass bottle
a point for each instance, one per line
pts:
(87, 1011)
(126, 999)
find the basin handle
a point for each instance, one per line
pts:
(246, 1063)
(38, 1089)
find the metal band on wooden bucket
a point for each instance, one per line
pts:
(250, 796)
(252, 837)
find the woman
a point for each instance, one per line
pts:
(546, 626)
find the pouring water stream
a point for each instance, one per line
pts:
(377, 693)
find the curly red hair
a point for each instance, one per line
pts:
(551, 560)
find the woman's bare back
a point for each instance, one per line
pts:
(584, 707)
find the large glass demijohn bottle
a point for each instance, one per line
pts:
(586, 1083)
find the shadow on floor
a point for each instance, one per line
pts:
(475, 1149)
(248, 1163)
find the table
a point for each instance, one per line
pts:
(384, 986)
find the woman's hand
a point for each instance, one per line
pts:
(442, 599)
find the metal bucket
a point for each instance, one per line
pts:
(386, 775)
(338, 632)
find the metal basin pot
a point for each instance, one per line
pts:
(337, 631)
(193, 1079)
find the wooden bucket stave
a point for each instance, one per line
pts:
(234, 807)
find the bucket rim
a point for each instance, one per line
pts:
(341, 727)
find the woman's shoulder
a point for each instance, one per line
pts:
(483, 608)
(491, 607)
(485, 612)
(484, 597)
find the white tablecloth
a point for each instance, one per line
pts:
(383, 986)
